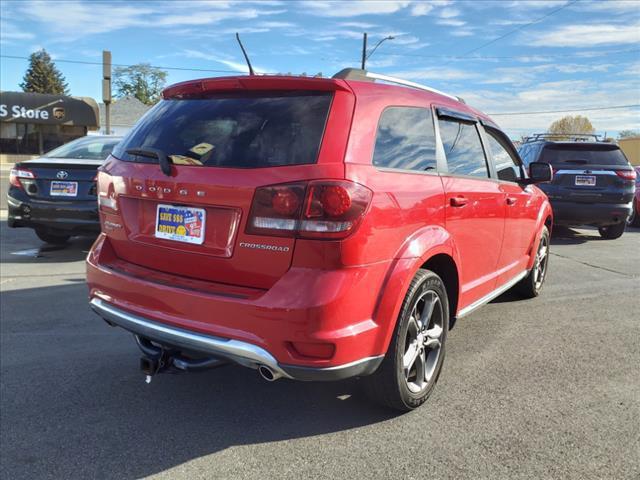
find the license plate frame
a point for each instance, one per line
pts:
(180, 224)
(585, 180)
(61, 188)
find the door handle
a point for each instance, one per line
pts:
(458, 201)
(511, 200)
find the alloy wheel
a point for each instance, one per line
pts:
(423, 341)
(540, 266)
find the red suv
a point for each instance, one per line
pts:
(313, 229)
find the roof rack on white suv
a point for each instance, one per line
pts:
(366, 76)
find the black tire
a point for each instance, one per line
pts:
(389, 385)
(531, 285)
(634, 219)
(52, 238)
(612, 232)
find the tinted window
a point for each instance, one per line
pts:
(462, 148)
(586, 154)
(506, 166)
(92, 148)
(405, 139)
(233, 131)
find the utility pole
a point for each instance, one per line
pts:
(106, 88)
(364, 50)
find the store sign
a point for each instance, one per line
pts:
(21, 107)
(17, 111)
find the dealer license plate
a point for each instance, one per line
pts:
(64, 189)
(586, 180)
(181, 224)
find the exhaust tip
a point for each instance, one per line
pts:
(268, 374)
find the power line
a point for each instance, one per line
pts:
(517, 29)
(502, 57)
(83, 62)
(567, 111)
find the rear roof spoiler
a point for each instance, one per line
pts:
(193, 88)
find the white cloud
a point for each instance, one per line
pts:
(435, 74)
(536, 4)
(587, 35)
(420, 9)
(353, 8)
(449, 12)
(363, 25)
(76, 19)
(451, 22)
(610, 6)
(233, 65)
(462, 32)
(559, 95)
(10, 32)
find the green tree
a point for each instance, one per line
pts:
(571, 124)
(628, 133)
(42, 76)
(141, 81)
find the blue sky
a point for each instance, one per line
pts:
(580, 54)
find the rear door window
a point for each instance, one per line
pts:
(233, 131)
(462, 148)
(406, 140)
(583, 154)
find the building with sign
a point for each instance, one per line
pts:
(34, 123)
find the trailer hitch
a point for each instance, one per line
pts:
(159, 359)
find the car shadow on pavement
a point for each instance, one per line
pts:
(22, 246)
(568, 236)
(75, 405)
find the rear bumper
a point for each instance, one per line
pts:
(596, 214)
(243, 353)
(74, 217)
(249, 326)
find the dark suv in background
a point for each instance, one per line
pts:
(593, 182)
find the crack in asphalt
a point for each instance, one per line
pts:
(627, 275)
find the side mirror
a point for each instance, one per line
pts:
(540, 172)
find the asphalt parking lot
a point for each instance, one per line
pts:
(545, 388)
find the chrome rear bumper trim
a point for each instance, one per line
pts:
(241, 352)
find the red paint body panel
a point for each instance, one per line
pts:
(347, 292)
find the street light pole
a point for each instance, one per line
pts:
(366, 55)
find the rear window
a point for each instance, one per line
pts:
(576, 154)
(233, 131)
(86, 148)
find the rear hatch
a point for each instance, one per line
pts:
(588, 172)
(223, 140)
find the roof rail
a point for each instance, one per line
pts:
(364, 75)
(576, 137)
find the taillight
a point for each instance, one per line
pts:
(324, 209)
(627, 174)
(18, 174)
(106, 195)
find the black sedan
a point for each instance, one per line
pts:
(56, 193)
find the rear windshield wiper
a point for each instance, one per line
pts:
(164, 161)
(578, 161)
